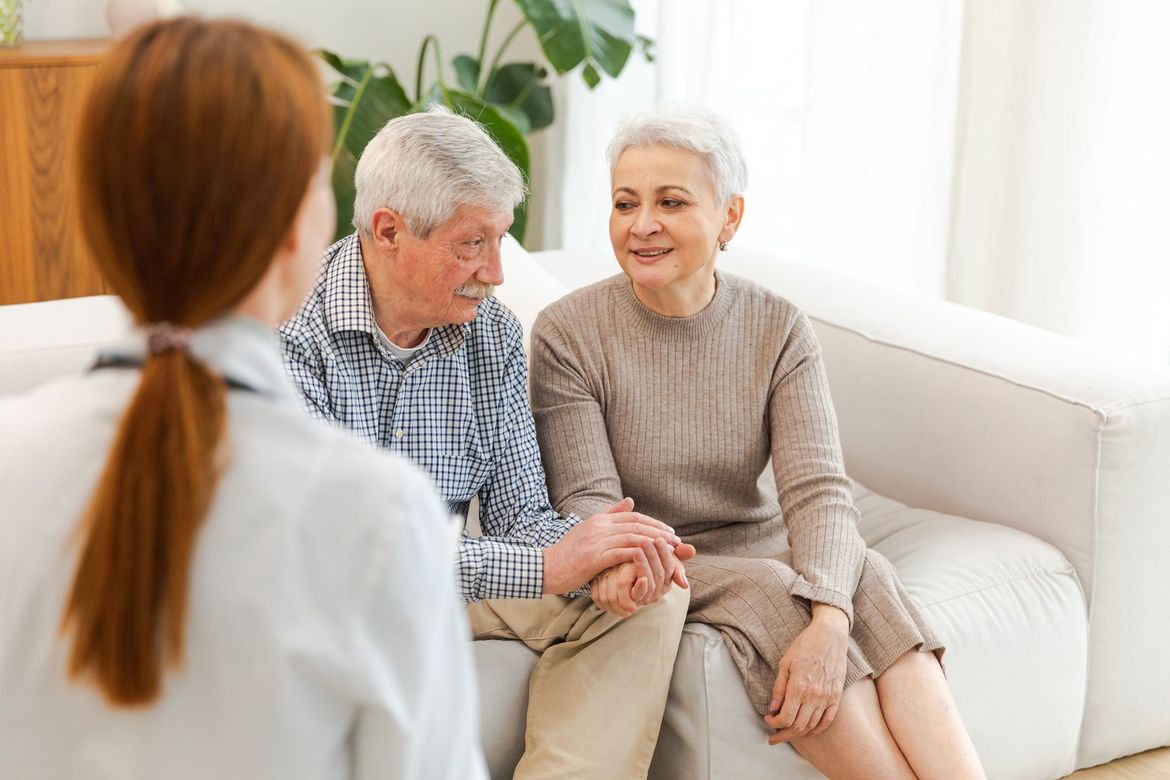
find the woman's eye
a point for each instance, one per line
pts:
(623, 205)
(671, 203)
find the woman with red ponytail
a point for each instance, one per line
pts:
(196, 580)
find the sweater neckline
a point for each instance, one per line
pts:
(702, 323)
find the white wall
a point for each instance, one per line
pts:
(386, 30)
(382, 30)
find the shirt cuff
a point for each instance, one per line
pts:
(512, 571)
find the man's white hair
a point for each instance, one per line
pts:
(693, 129)
(426, 165)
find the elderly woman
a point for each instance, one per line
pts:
(675, 383)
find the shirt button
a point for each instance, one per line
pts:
(398, 434)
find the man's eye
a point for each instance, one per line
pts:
(475, 243)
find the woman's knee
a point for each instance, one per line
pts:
(858, 743)
(912, 666)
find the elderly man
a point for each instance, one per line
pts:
(402, 341)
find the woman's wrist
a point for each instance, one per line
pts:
(827, 614)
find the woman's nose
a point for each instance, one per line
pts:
(645, 224)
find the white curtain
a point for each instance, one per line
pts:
(1061, 211)
(1009, 155)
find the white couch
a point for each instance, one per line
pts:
(1039, 473)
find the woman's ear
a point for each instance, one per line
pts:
(732, 219)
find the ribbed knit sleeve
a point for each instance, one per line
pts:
(814, 493)
(582, 477)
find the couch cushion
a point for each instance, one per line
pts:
(1009, 609)
(503, 667)
(43, 341)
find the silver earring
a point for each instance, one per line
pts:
(722, 246)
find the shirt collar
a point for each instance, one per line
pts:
(346, 292)
(234, 347)
(348, 306)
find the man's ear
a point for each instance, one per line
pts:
(387, 227)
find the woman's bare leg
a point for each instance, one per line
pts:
(920, 712)
(857, 744)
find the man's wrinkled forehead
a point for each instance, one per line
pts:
(468, 220)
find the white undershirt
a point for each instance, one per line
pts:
(402, 353)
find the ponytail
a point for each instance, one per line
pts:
(128, 601)
(198, 142)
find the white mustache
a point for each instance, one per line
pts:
(476, 290)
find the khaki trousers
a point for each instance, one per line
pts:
(597, 694)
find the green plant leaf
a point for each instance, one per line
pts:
(344, 192)
(646, 46)
(503, 130)
(599, 33)
(367, 97)
(519, 86)
(466, 71)
(589, 73)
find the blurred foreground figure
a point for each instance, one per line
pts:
(197, 580)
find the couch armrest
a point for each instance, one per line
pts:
(960, 411)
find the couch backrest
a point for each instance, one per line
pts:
(43, 341)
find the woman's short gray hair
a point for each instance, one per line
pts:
(426, 165)
(694, 130)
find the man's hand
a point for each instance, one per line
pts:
(812, 677)
(601, 542)
(622, 591)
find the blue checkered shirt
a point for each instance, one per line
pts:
(458, 409)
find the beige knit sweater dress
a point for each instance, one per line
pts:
(684, 415)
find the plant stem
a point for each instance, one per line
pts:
(351, 110)
(491, 72)
(422, 54)
(483, 39)
(519, 101)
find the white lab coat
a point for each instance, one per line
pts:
(324, 638)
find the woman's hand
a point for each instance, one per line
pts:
(811, 677)
(622, 589)
(612, 590)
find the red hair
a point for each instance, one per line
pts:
(198, 142)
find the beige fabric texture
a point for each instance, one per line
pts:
(683, 415)
(583, 721)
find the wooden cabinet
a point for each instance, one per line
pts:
(42, 255)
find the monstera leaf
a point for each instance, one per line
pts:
(516, 90)
(599, 33)
(366, 97)
(519, 86)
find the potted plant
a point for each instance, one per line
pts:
(509, 99)
(11, 26)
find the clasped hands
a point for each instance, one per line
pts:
(630, 559)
